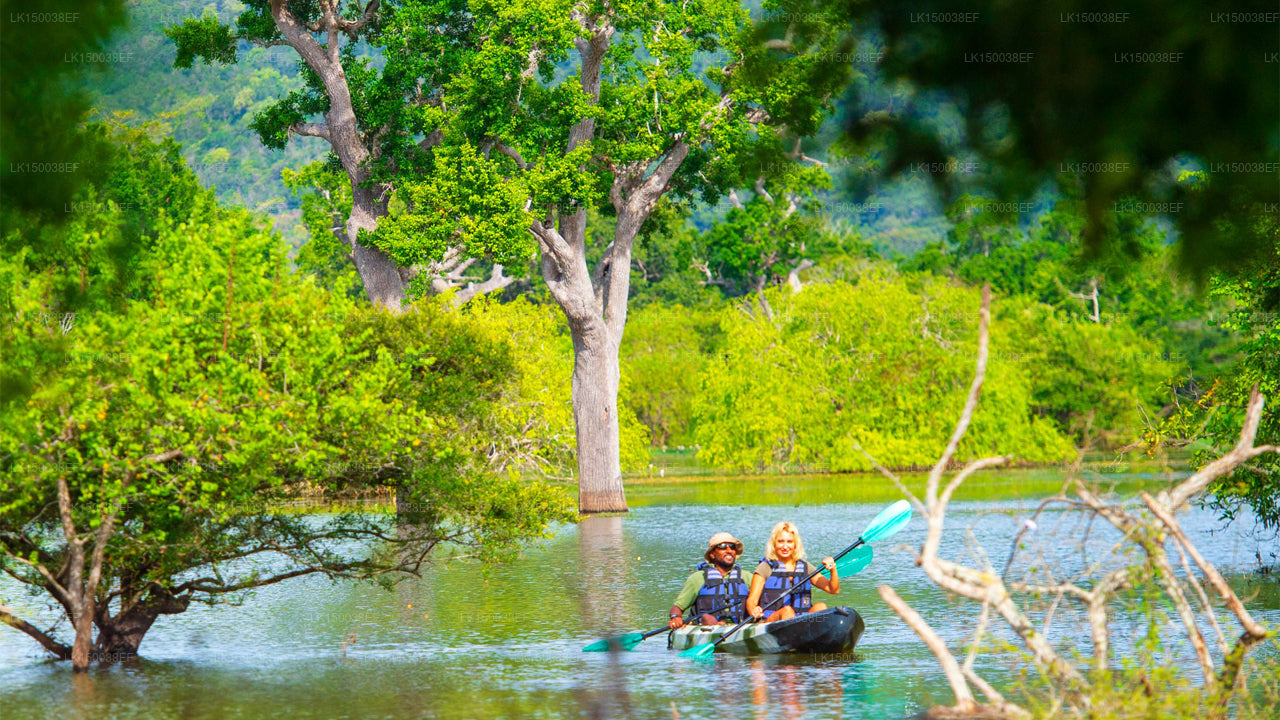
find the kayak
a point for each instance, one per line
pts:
(832, 630)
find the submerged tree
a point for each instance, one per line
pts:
(143, 445)
(634, 122)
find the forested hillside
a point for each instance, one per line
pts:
(207, 109)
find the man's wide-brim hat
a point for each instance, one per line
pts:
(722, 537)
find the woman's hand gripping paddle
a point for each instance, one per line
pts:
(889, 521)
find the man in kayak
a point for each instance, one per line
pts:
(718, 588)
(782, 568)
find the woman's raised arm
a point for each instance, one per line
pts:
(832, 584)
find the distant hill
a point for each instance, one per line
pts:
(208, 108)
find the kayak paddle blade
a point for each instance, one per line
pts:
(621, 642)
(852, 563)
(697, 652)
(888, 522)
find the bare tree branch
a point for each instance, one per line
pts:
(955, 677)
(8, 617)
(971, 403)
(1241, 453)
(320, 130)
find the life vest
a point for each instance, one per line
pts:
(780, 581)
(722, 597)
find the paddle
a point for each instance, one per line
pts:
(624, 642)
(889, 521)
(851, 564)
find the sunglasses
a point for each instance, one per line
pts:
(725, 546)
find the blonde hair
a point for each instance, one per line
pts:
(784, 526)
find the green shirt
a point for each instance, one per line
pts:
(692, 584)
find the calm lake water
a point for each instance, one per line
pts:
(506, 642)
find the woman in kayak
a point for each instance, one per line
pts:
(782, 568)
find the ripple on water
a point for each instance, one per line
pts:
(507, 642)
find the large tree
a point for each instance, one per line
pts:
(143, 445)
(652, 106)
(371, 75)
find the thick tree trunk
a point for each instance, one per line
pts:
(595, 415)
(381, 277)
(83, 644)
(119, 637)
(341, 129)
(595, 303)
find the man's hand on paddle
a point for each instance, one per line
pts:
(677, 618)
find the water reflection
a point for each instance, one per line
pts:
(781, 684)
(609, 697)
(505, 641)
(602, 560)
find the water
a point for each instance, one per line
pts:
(505, 641)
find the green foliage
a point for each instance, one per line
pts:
(93, 252)
(1094, 380)
(466, 201)
(224, 383)
(536, 423)
(1046, 263)
(205, 38)
(1163, 692)
(50, 48)
(520, 114)
(1121, 104)
(1255, 317)
(845, 363)
(764, 238)
(326, 204)
(667, 351)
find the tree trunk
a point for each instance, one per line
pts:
(379, 273)
(341, 129)
(120, 636)
(595, 415)
(80, 601)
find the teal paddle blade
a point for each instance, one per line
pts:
(621, 642)
(889, 521)
(854, 562)
(699, 651)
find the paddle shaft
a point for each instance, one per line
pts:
(665, 628)
(657, 631)
(788, 593)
